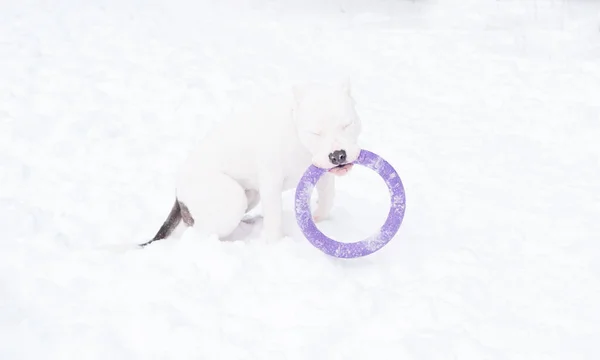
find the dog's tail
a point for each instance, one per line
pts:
(169, 225)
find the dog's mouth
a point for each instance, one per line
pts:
(341, 169)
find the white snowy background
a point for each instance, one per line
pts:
(488, 109)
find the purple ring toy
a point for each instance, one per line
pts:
(372, 243)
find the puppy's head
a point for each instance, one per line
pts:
(327, 123)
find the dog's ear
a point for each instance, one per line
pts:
(347, 86)
(347, 90)
(299, 91)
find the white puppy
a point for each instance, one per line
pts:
(257, 154)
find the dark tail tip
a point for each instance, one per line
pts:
(169, 225)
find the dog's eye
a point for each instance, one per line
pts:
(346, 126)
(315, 133)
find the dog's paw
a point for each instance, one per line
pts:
(319, 218)
(320, 214)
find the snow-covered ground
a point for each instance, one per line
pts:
(489, 110)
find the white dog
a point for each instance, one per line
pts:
(257, 154)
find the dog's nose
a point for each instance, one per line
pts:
(338, 157)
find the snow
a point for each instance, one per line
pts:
(488, 110)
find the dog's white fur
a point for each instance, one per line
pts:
(259, 153)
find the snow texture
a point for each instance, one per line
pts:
(489, 110)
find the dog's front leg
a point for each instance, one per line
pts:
(326, 193)
(271, 187)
